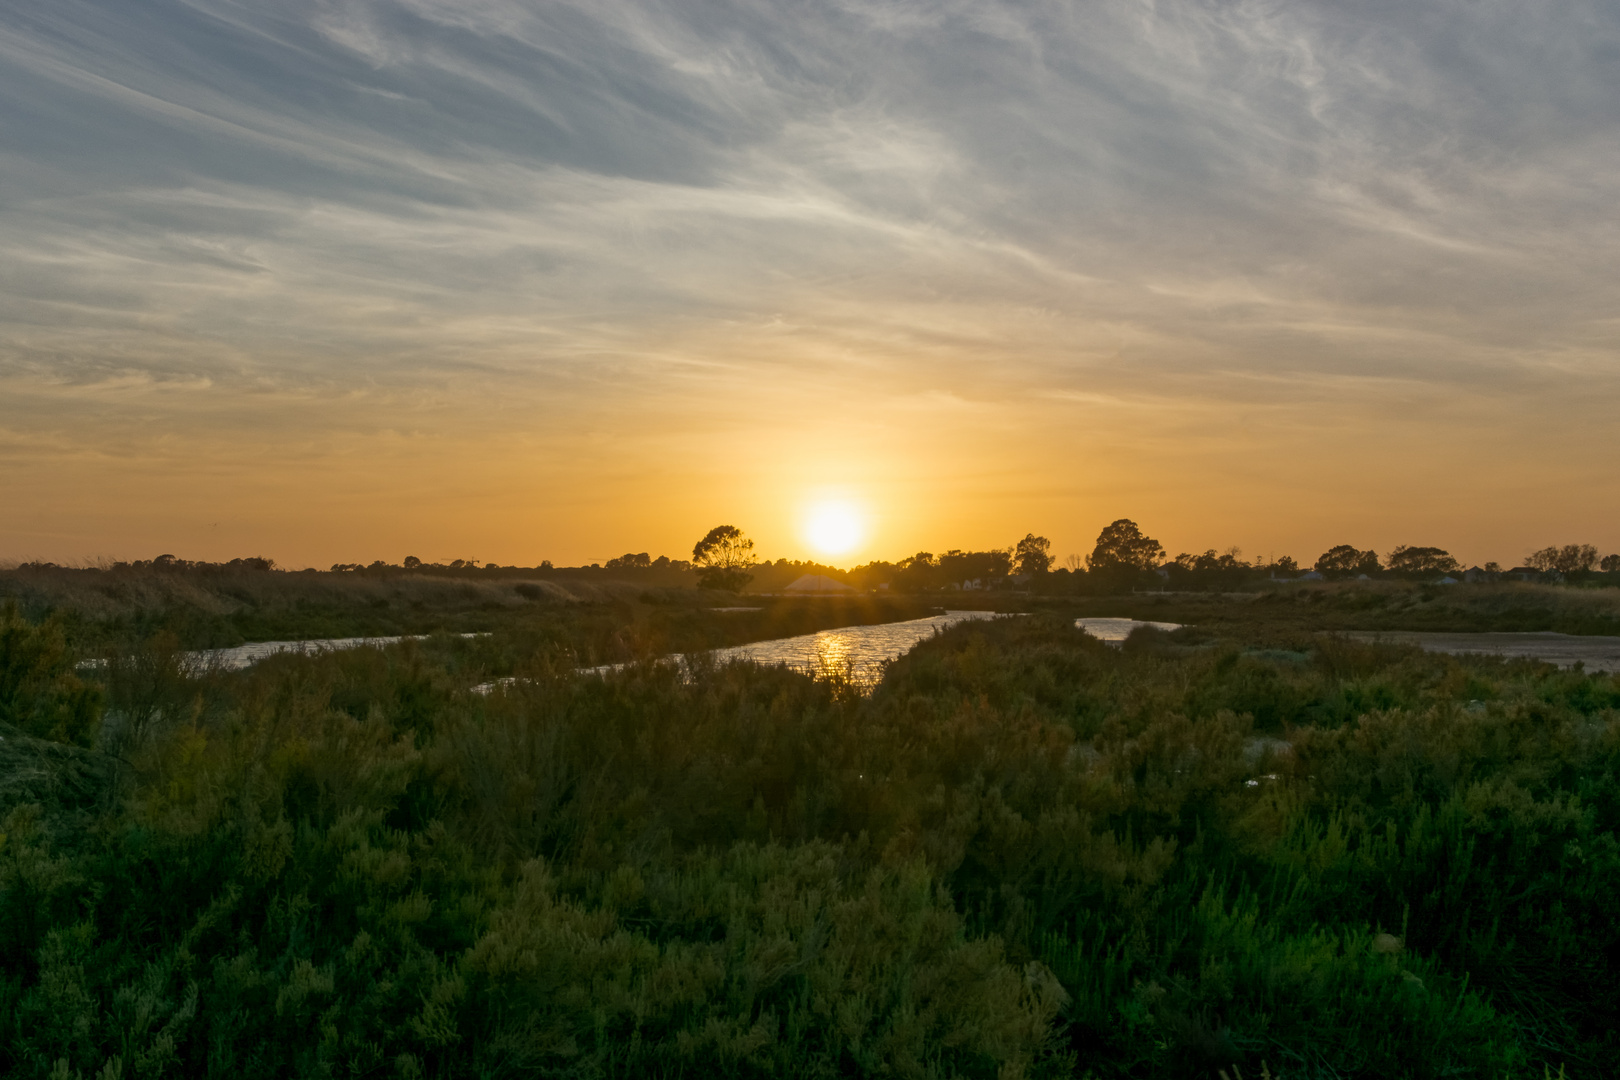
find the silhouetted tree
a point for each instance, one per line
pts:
(1211, 569)
(1566, 560)
(961, 567)
(1347, 559)
(1033, 555)
(1229, 560)
(412, 562)
(1122, 546)
(1610, 563)
(916, 572)
(723, 556)
(1407, 559)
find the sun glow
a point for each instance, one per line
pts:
(834, 528)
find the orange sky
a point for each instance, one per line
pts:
(517, 282)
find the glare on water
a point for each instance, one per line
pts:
(1117, 630)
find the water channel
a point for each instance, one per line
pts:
(858, 651)
(862, 650)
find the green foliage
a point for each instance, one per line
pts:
(1024, 853)
(40, 694)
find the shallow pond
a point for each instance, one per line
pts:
(862, 649)
(1595, 652)
(1115, 631)
(859, 651)
(245, 655)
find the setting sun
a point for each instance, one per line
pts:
(834, 528)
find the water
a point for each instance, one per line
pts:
(1595, 652)
(1114, 631)
(863, 649)
(242, 656)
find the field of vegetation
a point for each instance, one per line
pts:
(598, 619)
(1241, 845)
(1372, 606)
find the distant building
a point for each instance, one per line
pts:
(819, 585)
(1448, 580)
(1475, 574)
(1312, 575)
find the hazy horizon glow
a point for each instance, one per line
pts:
(350, 279)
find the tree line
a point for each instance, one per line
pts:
(1125, 556)
(1122, 547)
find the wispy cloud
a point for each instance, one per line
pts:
(461, 215)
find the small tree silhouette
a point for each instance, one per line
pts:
(1033, 555)
(723, 557)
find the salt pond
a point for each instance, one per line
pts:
(864, 649)
(1595, 652)
(861, 651)
(246, 655)
(241, 656)
(1115, 631)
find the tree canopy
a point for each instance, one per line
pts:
(1033, 555)
(1406, 559)
(1566, 560)
(1347, 559)
(724, 556)
(1122, 546)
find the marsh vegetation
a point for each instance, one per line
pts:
(1024, 852)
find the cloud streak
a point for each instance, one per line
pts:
(500, 217)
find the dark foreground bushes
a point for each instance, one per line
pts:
(1023, 854)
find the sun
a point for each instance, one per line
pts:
(834, 528)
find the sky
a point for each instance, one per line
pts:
(342, 280)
